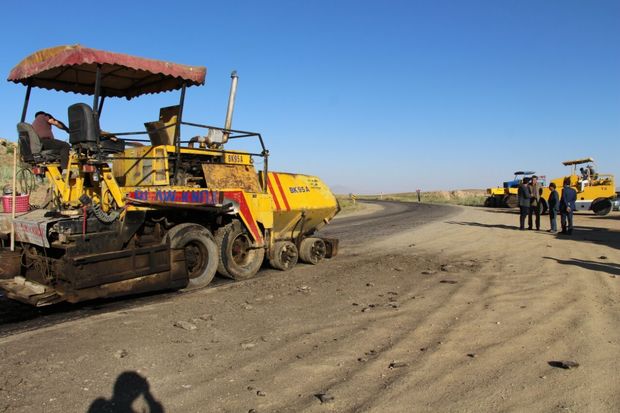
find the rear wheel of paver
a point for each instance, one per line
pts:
(312, 250)
(238, 259)
(201, 254)
(511, 201)
(489, 202)
(284, 255)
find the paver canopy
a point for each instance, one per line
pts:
(73, 69)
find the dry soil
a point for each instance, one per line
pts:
(466, 314)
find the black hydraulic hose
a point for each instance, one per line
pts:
(106, 218)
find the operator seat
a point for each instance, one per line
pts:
(83, 127)
(30, 146)
(84, 131)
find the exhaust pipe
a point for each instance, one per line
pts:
(231, 105)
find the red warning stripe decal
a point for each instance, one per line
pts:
(273, 193)
(275, 176)
(246, 214)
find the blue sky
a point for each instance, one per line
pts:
(379, 96)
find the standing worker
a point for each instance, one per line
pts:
(523, 194)
(554, 207)
(535, 191)
(567, 206)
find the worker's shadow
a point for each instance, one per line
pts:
(595, 235)
(130, 390)
(479, 224)
(610, 268)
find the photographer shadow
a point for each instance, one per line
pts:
(128, 389)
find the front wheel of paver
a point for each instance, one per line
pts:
(238, 259)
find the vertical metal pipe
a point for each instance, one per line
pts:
(265, 170)
(14, 197)
(231, 104)
(177, 136)
(26, 100)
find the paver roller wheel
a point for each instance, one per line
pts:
(601, 206)
(238, 259)
(201, 254)
(312, 250)
(511, 201)
(489, 202)
(284, 255)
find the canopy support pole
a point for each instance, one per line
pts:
(26, 101)
(100, 108)
(97, 88)
(177, 136)
(96, 106)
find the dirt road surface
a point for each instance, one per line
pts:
(427, 309)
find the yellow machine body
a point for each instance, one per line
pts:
(290, 205)
(300, 202)
(600, 189)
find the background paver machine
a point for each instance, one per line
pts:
(131, 215)
(596, 191)
(506, 195)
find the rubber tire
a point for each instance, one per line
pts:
(544, 206)
(601, 206)
(225, 237)
(184, 234)
(312, 250)
(283, 256)
(490, 202)
(511, 201)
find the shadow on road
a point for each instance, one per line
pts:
(510, 211)
(610, 268)
(596, 235)
(479, 224)
(605, 217)
(129, 387)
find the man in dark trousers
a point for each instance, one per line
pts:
(554, 207)
(42, 125)
(524, 196)
(567, 206)
(535, 191)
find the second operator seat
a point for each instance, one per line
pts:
(84, 131)
(30, 146)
